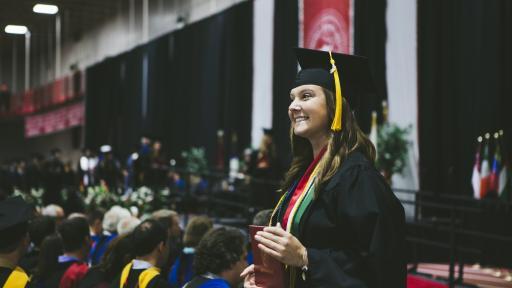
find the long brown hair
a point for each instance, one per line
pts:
(340, 144)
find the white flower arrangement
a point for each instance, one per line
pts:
(98, 196)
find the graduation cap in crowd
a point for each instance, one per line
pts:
(14, 216)
(268, 131)
(347, 76)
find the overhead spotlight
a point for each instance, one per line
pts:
(45, 9)
(16, 29)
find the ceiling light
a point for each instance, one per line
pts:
(15, 29)
(45, 9)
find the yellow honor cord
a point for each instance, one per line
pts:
(124, 274)
(17, 278)
(147, 275)
(336, 122)
(144, 278)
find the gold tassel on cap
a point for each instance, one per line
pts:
(336, 122)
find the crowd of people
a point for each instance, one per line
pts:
(117, 249)
(146, 166)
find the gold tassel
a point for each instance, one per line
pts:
(336, 122)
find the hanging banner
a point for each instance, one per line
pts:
(54, 121)
(326, 25)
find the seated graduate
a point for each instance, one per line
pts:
(72, 265)
(39, 228)
(219, 259)
(182, 270)
(149, 247)
(170, 220)
(14, 217)
(119, 253)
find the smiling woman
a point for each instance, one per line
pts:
(338, 224)
(308, 114)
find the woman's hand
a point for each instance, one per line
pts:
(282, 246)
(248, 275)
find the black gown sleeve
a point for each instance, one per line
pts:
(368, 213)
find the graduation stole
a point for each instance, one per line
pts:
(302, 203)
(17, 278)
(306, 184)
(144, 278)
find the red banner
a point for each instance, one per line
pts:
(326, 25)
(54, 121)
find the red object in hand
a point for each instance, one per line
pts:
(268, 272)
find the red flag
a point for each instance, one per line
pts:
(486, 171)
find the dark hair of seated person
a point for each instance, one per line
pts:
(51, 248)
(40, 228)
(73, 233)
(219, 250)
(118, 254)
(147, 236)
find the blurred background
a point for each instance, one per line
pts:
(187, 100)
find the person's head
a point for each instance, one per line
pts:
(95, 220)
(313, 110)
(144, 140)
(40, 228)
(75, 237)
(55, 153)
(15, 214)
(222, 252)
(157, 146)
(54, 211)
(113, 216)
(195, 230)
(262, 218)
(126, 225)
(169, 219)
(266, 143)
(149, 241)
(77, 214)
(86, 152)
(51, 248)
(119, 253)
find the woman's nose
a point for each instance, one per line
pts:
(294, 107)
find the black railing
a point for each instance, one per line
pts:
(467, 230)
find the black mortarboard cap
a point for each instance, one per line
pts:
(354, 73)
(14, 216)
(14, 211)
(268, 131)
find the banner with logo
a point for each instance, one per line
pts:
(326, 25)
(54, 121)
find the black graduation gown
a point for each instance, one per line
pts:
(354, 231)
(94, 278)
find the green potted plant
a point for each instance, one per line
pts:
(392, 149)
(195, 163)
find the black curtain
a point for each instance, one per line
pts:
(464, 85)
(199, 80)
(370, 41)
(286, 36)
